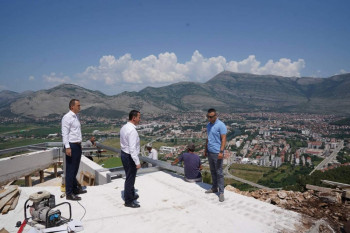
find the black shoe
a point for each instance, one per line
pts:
(79, 191)
(73, 197)
(132, 205)
(136, 196)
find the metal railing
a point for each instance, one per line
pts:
(158, 163)
(112, 173)
(23, 148)
(48, 153)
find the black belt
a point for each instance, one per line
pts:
(125, 153)
(79, 143)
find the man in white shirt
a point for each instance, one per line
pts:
(130, 149)
(152, 153)
(71, 136)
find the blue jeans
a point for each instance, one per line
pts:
(130, 176)
(217, 175)
(72, 167)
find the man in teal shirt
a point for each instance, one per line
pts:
(215, 145)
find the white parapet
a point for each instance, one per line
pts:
(15, 167)
(93, 168)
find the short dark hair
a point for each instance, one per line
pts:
(133, 113)
(191, 147)
(210, 110)
(72, 103)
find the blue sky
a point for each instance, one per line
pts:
(115, 46)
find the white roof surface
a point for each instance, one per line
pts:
(168, 204)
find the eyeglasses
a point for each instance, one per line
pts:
(210, 117)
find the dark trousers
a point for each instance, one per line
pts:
(130, 174)
(217, 174)
(72, 167)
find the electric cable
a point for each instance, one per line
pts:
(84, 210)
(20, 230)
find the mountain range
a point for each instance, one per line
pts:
(227, 92)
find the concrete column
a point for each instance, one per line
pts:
(28, 181)
(41, 172)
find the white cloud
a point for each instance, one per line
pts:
(31, 78)
(165, 69)
(151, 69)
(342, 71)
(56, 78)
(283, 67)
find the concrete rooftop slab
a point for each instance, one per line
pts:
(168, 204)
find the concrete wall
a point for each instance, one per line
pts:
(98, 171)
(15, 167)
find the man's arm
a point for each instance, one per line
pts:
(134, 148)
(178, 160)
(65, 133)
(222, 147)
(175, 161)
(206, 148)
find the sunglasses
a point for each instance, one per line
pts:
(210, 117)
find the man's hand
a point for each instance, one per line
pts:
(221, 155)
(138, 166)
(175, 161)
(205, 153)
(68, 151)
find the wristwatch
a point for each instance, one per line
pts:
(221, 151)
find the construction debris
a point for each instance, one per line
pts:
(3, 230)
(9, 198)
(318, 203)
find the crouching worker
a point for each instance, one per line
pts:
(192, 164)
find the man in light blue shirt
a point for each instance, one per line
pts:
(215, 145)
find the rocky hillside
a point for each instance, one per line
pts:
(227, 91)
(329, 208)
(247, 92)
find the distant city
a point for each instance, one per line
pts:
(261, 139)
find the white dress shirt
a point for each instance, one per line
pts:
(130, 141)
(153, 154)
(71, 129)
